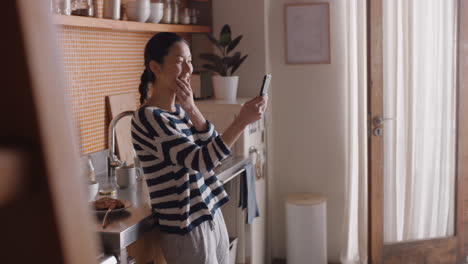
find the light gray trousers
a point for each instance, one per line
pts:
(207, 243)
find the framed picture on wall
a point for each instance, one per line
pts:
(307, 33)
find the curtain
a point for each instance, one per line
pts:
(354, 247)
(420, 96)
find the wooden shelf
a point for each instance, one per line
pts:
(121, 25)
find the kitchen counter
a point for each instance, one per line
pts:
(126, 227)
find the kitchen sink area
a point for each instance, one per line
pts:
(126, 227)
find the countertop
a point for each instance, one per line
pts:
(126, 227)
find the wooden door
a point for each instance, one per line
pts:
(42, 198)
(452, 249)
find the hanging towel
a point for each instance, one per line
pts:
(248, 195)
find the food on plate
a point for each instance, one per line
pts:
(106, 202)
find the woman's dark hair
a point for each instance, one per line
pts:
(156, 49)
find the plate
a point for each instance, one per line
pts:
(127, 204)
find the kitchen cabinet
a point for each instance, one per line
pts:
(146, 249)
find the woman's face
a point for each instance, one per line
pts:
(177, 64)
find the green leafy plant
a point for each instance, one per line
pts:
(224, 65)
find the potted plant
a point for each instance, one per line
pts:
(223, 65)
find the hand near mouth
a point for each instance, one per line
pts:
(184, 94)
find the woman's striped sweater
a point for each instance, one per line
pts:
(178, 163)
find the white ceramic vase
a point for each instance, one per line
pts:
(225, 87)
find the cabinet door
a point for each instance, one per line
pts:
(147, 249)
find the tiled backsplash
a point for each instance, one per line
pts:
(99, 63)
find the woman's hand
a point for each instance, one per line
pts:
(184, 94)
(253, 110)
(250, 112)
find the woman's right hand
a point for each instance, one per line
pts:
(250, 112)
(253, 110)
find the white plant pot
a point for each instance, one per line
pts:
(225, 87)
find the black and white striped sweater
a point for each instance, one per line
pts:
(178, 163)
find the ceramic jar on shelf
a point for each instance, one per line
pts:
(167, 14)
(82, 8)
(185, 17)
(111, 9)
(175, 11)
(65, 7)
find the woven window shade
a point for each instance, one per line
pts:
(99, 63)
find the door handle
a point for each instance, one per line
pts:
(378, 120)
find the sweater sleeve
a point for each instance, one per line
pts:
(179, 149)
(208, 133)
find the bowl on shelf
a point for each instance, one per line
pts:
(156, 12)
(138, 10)
(139, 4)
(138, 14)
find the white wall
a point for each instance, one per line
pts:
(246, 17)
(306, 133)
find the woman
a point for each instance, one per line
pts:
(178, 150)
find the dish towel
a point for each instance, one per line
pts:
(247, 193)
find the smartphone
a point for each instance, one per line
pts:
(265, 84)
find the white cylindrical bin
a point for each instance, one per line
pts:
(306, 229)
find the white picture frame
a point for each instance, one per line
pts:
(307, 33)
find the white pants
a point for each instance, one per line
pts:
(207, 243)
